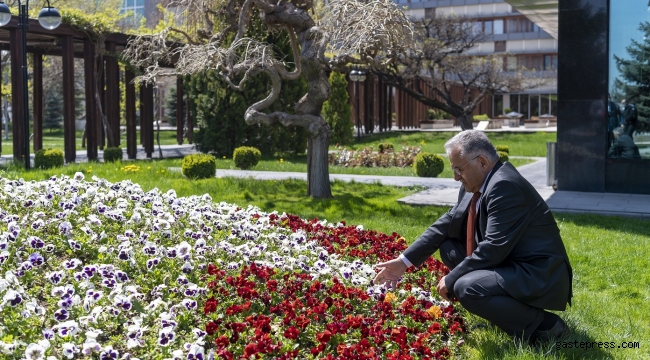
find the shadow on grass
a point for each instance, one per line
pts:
(491, 343)
(610, 223)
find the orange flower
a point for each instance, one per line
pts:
(390, 297)
(435, 311)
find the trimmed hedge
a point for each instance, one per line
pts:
(428, 164)
(503, 156)
(503, 148)
(246, 157)
(199, 166)
(48, 158)
(112, 154)
(385, 146)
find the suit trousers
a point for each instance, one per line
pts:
(480, 293)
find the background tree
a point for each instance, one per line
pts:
(352, 32)
(336, 110)
(220, 109)
(437, 60)
(634, 81)
(170, 106)
(53, 108)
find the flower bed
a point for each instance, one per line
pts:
(108, 271)
(367, 157)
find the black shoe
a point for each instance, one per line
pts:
(551, 334)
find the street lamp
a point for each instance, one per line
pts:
(357, 76)
(49, 18)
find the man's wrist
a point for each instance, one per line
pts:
(405, 261)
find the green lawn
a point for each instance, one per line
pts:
(54, 140)
(610, 255)
(520, 143)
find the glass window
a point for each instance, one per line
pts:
(523, 105)
(512, 26)
(534, 105)
(553, 104)
(628, 107)
(499, 46)
(488, 27)
(545, 103)
(498, 26)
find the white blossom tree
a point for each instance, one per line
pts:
(368, 32)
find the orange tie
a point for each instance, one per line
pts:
(471, 224)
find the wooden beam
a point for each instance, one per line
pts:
(69, 135)
(91, 100)
(101, 132)
(38, 100)
(190, 123)
(17, 112)
(131, 144)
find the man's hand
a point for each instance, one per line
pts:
(390, 272)
(442, 289)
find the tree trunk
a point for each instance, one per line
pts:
(318, 182)
(465, 121)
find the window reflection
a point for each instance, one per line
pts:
(628, 102)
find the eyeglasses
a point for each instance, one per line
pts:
(459, 170)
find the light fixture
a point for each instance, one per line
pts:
(49, 17)
(5, 14)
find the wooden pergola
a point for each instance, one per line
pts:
(70, 43)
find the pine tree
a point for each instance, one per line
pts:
(53, 113)
(170, 106)
(336, 110)
(634, 81)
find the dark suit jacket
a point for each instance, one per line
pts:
(518, 239)
(624, 148)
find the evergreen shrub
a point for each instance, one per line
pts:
(481, 117)
(112, 154)
(199, 166)
(48, 158)
(503, 156)
(428, 164)
(383, 147)
(336, 110)
(246, 157)
(503, 148)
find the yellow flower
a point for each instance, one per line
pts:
(148, 167)
(162, 171)
(390, 297)
(224, 156)
(281, 160)
(435, 311)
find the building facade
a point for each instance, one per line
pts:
(524, 45)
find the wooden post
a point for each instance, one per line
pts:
(112, 110)
(69, 135)
(131, 130)
(91, 103)
(146, 118)
(179, 110)
(17, 95)
(38, 100)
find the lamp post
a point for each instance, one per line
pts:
(49, 18)
(357, 76)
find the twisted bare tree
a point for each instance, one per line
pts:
(440, 61)
(371, 33)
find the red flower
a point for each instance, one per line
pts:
(250, 350)
(318, 349)
(434, 328)
(211, 328)
(213, 270)
(272, 285)
(324, 337)
(210, 306)
(291, 333)
(222, 341)
(455, 327)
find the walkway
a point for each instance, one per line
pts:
(444, 192)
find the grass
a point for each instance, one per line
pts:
(54, 140)
(519, 143)
(299, 164)
(609, 255)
